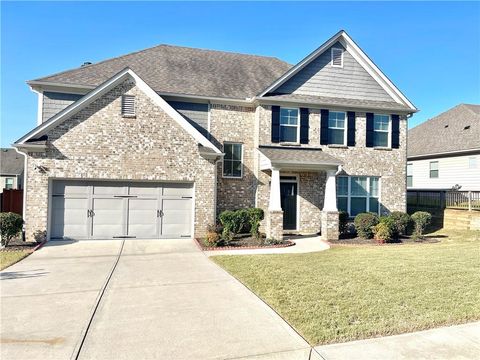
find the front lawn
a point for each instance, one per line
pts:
(8, 258)
(349, 293)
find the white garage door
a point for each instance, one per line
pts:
(106, 210)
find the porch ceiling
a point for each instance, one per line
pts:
(296, 158)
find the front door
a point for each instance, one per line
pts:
(288, 193)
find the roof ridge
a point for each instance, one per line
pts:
(157, 46)
(467, 106)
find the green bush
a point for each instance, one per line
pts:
(10, 226)
(382, 232)
(364, 224)
(227, 219)
(421, 220)
(241, 218)
(342, 221)
(402, 222)
(255, 216)
(391, 226)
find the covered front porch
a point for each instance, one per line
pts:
(301, 194)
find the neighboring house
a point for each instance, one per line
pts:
(156, 143)
(11, 169)
(444, 151)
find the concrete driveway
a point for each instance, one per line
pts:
(138, 299)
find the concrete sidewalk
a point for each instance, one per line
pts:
(461, 342)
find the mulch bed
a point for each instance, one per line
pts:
(357, 241)
(245, 241)
(20, 245)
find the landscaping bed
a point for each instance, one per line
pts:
(246, 241)
(404, 239)
(357, 292)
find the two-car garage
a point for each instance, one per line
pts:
(112, 209)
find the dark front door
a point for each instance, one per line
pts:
(288, 193)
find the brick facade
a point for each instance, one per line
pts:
(99, 143)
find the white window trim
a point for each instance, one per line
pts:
(297, 126)
(410, 165)
(367, 198)
(389, 136)
(430, 169)
(241, 161)
(13, 183)
(341, 57)
(345, 128)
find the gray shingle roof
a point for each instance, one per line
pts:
(11, 162)
(298, 155)
(334, 101)
(182, 70)
(447, 132)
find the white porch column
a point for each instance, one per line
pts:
(330, 201)
(275, 204)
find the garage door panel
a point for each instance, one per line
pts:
(142, 218)
(177, 216)
(177, 190)
(108, 218)
(144, 190)
(69, 188)
(110, 189)
(69, 217)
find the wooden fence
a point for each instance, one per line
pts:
(431, 200)
(11, 201)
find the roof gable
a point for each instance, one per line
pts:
(11, 162)
(312, 65)
(181, 70)
(117, 79)
(455, 130)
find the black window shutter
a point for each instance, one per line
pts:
(275, 124)
(369, 140)
(395, 131)
(324, 127)
(304, 126)
(351, 128)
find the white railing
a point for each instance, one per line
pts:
(467, 200)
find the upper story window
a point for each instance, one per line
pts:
(472, 162)
(233, 159)
(381, 130)
(409, 175)
(433, 169)
(128, 105)
(337, 57)
(358, 194)
(337, 133)
(9, 183)
(289, 125)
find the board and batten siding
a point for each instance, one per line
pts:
(320, 78)
(195, 113)
(451, 171)
(54, 102)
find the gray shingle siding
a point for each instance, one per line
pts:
(195, 113)
(54, 102)
(321, 79)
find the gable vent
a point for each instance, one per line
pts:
(128, 105)
(466, 127)
(337, 57)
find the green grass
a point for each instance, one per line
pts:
(8, 258)
(350, 293)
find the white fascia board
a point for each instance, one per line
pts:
(443, 154)
(358, 55)
(104, 88)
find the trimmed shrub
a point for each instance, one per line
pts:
(227, 219)
(421, 220)
(364, 224)
(10, 226)
(241, 218)
(255, 216)
(342, 221)
(382, 232)
(402, 222)
(212, 238)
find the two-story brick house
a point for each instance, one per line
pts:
(156, 143)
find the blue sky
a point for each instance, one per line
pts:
(430, 50)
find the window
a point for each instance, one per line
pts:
(128, 105)
(433, 169)
(289, 124)
(336, 128)
(472, 162)
(381, 130)
(357, 194)
(232, 161)
(409, 175)
(337, 57)
(9, 183)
